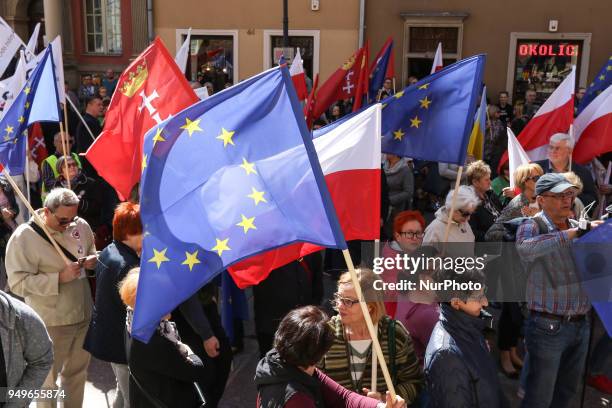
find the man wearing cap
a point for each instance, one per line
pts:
(557, 328)
(560, 149)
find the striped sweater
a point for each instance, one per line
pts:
(409, 375)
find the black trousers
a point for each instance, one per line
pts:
(510, 324)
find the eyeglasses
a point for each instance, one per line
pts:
(346, 302)
(64, 221)
(533, 178)
(465, 214)
(412, 234)
(561, 196)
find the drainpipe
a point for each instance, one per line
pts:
(150, 31)
(361, 22)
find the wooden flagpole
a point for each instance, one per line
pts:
(369, 323)
(76, 110)
(64, 145)
(451, 210)
(37, 217)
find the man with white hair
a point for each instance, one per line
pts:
(57, 291)
(560, 149)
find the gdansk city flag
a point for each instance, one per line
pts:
(149, 91)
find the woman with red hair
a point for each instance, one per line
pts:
(105, 339)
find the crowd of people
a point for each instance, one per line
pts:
(80, 304)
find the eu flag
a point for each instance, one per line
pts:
(594, 262)
(382, 69)
(37, 102)
(432, 119)
(225, 179)
(602, 80)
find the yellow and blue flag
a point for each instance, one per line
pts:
(432, 119)
(602, 80)
(477, 138)
(225, 179)
(37, 102)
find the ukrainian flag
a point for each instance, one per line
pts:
(476, 145)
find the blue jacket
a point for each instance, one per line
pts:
(105, 338)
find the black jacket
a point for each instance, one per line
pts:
(163, 371)
(483, 218)
(277, 382)
(460, 371)
(589, 191)
(84, 140)
(5, 230)
(90, 198)
(105, 337)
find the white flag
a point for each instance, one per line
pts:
(58, 61)
(10, 87)
(438, 63)
(9, 44)
(33, 41)
(516, 155)
(183, 53)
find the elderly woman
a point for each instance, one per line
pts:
(459, 367)
(163, 371)
(88, 191)
(460, 230)
(287, 376)
(479, 179)
(105, 338)
(349, 360)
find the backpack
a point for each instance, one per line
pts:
(510, 227)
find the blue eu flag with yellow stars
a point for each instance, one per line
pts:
(37, 102)
(602, 80)
(225, 179)
(432, 119)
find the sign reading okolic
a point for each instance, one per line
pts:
(548, 50)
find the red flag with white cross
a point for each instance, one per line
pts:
(36, 143)
(150, 90)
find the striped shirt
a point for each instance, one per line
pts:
(553, 285)
(409, 375)
(359, 352)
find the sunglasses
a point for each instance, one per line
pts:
(64, 221)
(465, 214)
(534, 178)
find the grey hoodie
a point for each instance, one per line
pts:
(27, 348)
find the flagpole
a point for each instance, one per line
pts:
(571, 133)
(451, 210)
(76, 110)
(64, 145)
(37, 217)
(369, 323)
(27, 170)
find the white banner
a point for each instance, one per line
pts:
(9, 44)
(10, 87)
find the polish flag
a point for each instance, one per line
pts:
(555, 116)
(593, 128)
(298, 77)
(438, 63)
(516, 155)
(350, 158)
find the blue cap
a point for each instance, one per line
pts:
(553, 182)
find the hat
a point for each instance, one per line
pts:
(553, 182)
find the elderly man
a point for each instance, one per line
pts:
(57, 290)
(560, 149)
(557, 329)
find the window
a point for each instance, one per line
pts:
(211, 59)
(304, 43)
(103, 26)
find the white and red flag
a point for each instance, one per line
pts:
(516, 155)
(298, 76)
(593, 128)
(350, 159)
(438, 62)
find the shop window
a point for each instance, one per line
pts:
(422, 41)
(541, 65)
(304, 43)
(103, 26)
(211, 60)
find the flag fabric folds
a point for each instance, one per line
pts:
(594, 264)
(9, 44)
(150, 90)
(438, 62)
(223, 180)
(516, 155)
(310, 102)
(298, 76)
(593, 129)
(602, 80)
(37, 102)
(382, 68)
(182, 55)
(361, 93)
(350, 157)
(433, 119)
(477, 138)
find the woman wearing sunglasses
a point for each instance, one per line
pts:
(349, 360)
(479, 179)
(460, 230)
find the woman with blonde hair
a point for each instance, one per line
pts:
(349, 360)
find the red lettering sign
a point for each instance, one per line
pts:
(547, 50)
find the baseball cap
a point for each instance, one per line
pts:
(553, 182)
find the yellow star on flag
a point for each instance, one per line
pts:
(609, 68)
(27, 90)
(399, 94)
(8, 129)
(27, 105)
(226, 136)
(248, 167)
(425, 103)
(384, 105)
(21, 119)
(191, 260)
(7, 138)
(415, 122)
(602, 77)
(158, 137)
(159, 257)
(247, 223)
(221, 246)
(257, 196)
(191, 126)
(144, 162)
(424, 86)
(398, 134)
